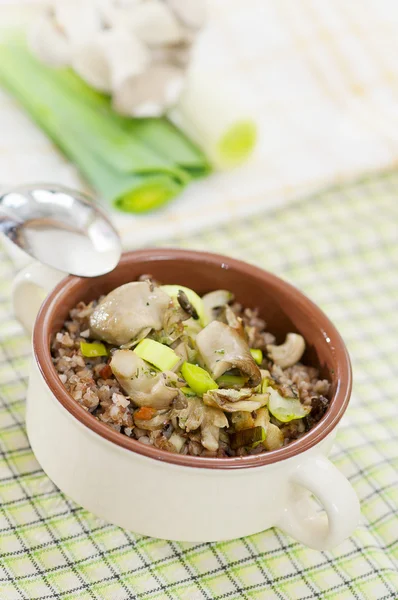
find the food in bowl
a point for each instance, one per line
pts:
(192, 375)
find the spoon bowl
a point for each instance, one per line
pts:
(61, 228)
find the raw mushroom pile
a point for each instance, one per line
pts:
(135, 50)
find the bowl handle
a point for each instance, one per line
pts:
(30, 287)
(301, 519)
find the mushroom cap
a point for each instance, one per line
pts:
(190, 417)
(137, 378)
(288, 353)
(223, 348)
(213, 420)
(235, 400)
(127, 310)
(215, 300)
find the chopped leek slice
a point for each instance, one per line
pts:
(197, 378)
(247, 437)
(195, 300)
(188, 392)
(227, 380)
(264, 384)
(257, 355)
(160, 356)
(242, 419)
(286, 409)
(94, 349)
(177, 441)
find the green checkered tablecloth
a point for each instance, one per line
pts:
(341, 248)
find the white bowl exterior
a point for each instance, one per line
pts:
(149, 496)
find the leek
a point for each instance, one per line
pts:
(257, 355)
(160, 135)
(247, 437)
(160, 356)
(228, 380)
(197, 378)
(286, 409)
(123, 165)
(214, 117)
(94, 349)
(194, 299)
(188, 392)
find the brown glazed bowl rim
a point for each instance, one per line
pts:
(339, 401)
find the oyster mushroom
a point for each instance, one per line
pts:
(127, 311)
(149, 93)
(157, 422)
(186, 305)
(195, 414)
(173, 325)
(215, 300)
(235, 400)
(223, 348)
(214, 419)
(273, 438)
(145, 386)
(191, 415)
(107, 59)
(288, 353)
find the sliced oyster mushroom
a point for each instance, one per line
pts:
(157, 422)
(223, 348)
(186, 305)
(182, 350)
(235, 400)
(214, 419)
(288, 353)
(262, 418)
(173, 325)
(273, 437)
(126, 311)
(215, 300)
(190, 417)
(145, 386)
(195, 414)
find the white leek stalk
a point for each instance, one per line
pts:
(211, 113)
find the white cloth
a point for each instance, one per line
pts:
(321, 79)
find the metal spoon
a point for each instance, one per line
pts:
(61, 228)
